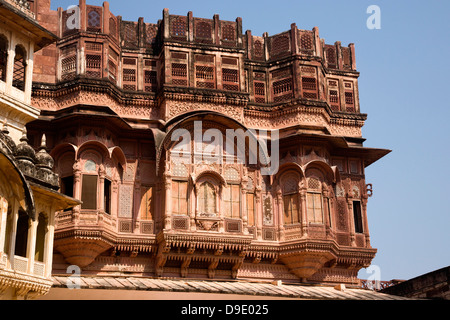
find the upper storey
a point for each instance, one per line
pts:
(211, 57)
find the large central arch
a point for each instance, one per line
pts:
(223, 121)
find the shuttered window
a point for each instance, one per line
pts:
(89, 192)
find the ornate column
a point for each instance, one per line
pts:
(303, 208)
(279, 217)
(168, 203)
(243, 206)
(31, 243)
(219, 198)
(13, 232)
(10, 65)
(364, 199)
(3, 220)
(101, 182)
(258, 213)
(192, 203)
(351, 218)
(76, 188)
(49, 239)
(29, 72)
(326, 208)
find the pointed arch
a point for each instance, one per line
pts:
(323, 167)
(179, 122)
(117, 152)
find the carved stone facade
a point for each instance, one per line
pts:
(158, 206)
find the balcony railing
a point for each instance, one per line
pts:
(20, 264)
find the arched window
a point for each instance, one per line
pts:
(314, 200)
(290, 200)
(19, 68)
(3, 57)
(206, 199)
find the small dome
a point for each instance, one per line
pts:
(24, 150)
(8, 142)
(43, 158)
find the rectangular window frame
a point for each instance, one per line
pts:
(357, 217)
(89, 194)
(232, 205)
(291, 208)
(312, 209)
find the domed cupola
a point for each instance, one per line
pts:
(25, 156)
(44, 160)
(8, 145)
(44, 165)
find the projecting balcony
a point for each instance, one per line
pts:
(82, 235)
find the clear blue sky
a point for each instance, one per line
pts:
(405, 71)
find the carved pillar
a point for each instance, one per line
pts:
(326, 208)
(114, 197)
(49, 239)
(352, 220)
(364, 199)
(3, 220)
(10, 65)
(13, 232)
(258, 213)
(168, 202)
(101, 193)
(29, 72)
(219, 198)
(243, 206)
(31, 243)
(192, 207)
(279, 217)
(76, 187)
(135, 211)
(303, 208)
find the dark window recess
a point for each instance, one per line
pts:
(89, 192)
(3, 57)
(21, 235)
(107, 195)
(357, 217)
(67, 186)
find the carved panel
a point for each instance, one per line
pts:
(125, 200)
(267, 209)
(269, 234)
(180, 223)
(341, 211)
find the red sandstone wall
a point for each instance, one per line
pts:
(45, 60)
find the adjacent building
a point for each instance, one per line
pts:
(29, 194)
